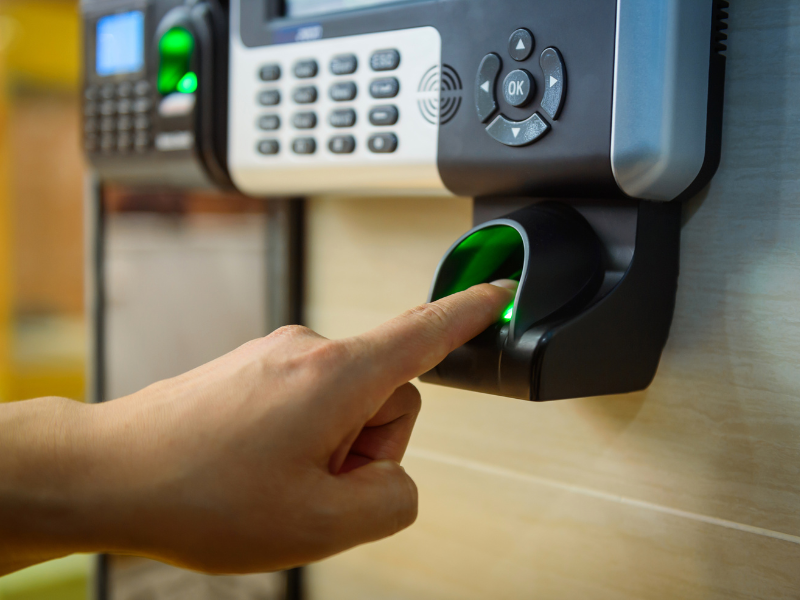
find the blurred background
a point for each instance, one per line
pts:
(185, 278)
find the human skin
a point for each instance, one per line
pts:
(280, 453)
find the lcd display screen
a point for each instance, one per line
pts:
(307, 8)
(120, 43)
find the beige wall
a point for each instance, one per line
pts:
(690, 489)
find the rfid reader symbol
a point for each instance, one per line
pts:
(439, 94)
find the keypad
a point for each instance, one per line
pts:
(305, 93)
(117, 117)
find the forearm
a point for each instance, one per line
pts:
(44, 462)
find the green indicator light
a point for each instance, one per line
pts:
(175, 49)
(188, 83)
(509, 313)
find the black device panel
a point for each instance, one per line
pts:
(130, 134)
(571, 157)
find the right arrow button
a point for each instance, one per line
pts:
(517, 133)
(555, 81)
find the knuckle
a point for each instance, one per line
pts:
(291, 332)
(436, 315)
(327, 352)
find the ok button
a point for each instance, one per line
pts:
(518, 87)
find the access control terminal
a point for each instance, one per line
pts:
(574, 124)
(608, 98)
(155, 91)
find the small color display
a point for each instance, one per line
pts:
(120, 43)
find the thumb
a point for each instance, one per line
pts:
(381, 500)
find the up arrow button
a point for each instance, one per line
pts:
(520, 45)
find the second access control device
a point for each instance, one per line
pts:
(155, 91)
(578, 127)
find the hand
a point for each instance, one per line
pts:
(280, 453)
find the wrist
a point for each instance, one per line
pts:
(45, 446)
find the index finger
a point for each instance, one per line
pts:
(418, 340)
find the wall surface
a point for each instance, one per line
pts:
(690, 489)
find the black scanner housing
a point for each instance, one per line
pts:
(594, 305)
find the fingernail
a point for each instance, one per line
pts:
(509, 284)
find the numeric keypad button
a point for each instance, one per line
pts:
(342, 118)
(270, 72)
(141, 122)
(124, 123)
(382, 116)
(269, 122)
(142, 105)
(304, 120)
(305, 145)
(344, 64)
(306, 69)
(384, 88)
(382, 143)
(108, 107)
(342, 144)
(268, 147)
(385, 60)
(269, 98)
(305, 95)
(343, 92)
(125, 89)
(108, 124)
(124, 106)
(141, 88)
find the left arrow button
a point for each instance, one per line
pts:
(485, 95)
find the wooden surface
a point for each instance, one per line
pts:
(690, 489)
